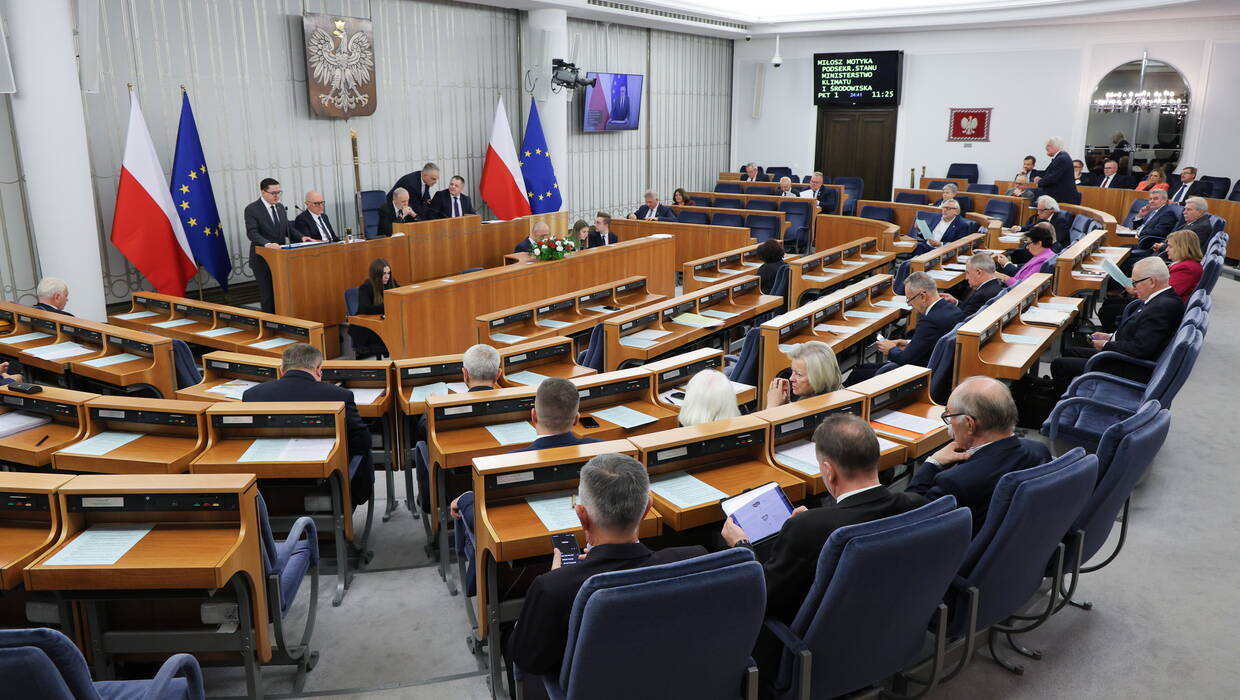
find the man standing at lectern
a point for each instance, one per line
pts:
(266, 225)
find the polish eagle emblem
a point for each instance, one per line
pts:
(342, 63)
(968, 125)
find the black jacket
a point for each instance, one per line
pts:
(973, 481)
(419, 192)
(1145, 332)
(49, 307)
(1204, 229)
(537, 644)
(1196, 188)
(1058, 180)
(662, 213)
(366, 299)
(260, 228)
(930, 327)
(303, 225)
(387, 217)
(977, 297)
(546, 442)
(595, 239)
(790, 567)
(767, 272)
(441, 205)
(297, 385)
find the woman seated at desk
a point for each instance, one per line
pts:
(709, 396)
(681, 198)
(1041, 236)
(366, 343)
(1154, 181)
(1184, 251)
(814, 371)
(771, 252)
(580, 234)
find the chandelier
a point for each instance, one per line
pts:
(1165, 100)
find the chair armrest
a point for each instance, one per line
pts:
(1052, 423)
(1105, 378)
(1117, 356)
(785, 636)
(177, 665)
(304, 527)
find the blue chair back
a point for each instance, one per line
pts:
(853, 186)
(692, 217)
(640, 616)
(703, 200)
(372, 200)
(1210, 272)
(901, 274)
(911, 198)
(982, 189)
(350, 301)
(938, 184)
(760, 204)
(733, 187)
(779, 287)
(796, 213)
(876, 587)
(763, 226)
(1133, 209)
(965, 202)
(870, 211)
(727, 219)
(967, 171)
(184, 365)
(807, 178)
(778, 171)
(768, 188)
(1048, 267)
(927, 216)
(1235, 192)
(594, 352)
(1081, 225)
(1000, 209)
(290, 559)
(1169, 377)
(941, 365)
(745, 371)
(1200, 299)
(1197, 317)
(1030, 512)
(1221, 185)
(729, 203)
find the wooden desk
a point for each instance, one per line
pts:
(34, 447)
(738, 301)
(563, 315)
(205, 538)
(836, 267)
(1022, 207)
(444, 247)
(803, 324)
(924, 183)
(905, 389)
(692, 240)
(765, 190)
(1106, 221)
(831, 231)
(710, 211)
(173, 433)
(238, 371)
(722, 267)
(933, 262)
(676, 371)
(730, 455)
(549, 357)
(308, 280)
(1072, 279)
(30, 520)
(452, 304)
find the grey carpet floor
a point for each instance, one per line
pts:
(1164, 622)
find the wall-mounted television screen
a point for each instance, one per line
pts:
(613, 103)
(865, 78)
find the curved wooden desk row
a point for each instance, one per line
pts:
(828, 270)
(731, 455)
(768, 189)
(1078, 268)
(692, 240)
(831, 230)
(101, 354)
(743, 213)
(991, 227)
(946, 263)
(229, 328)
(656, 330)
(722, 267)
(565, 315)
(925, 183)
(906, 216)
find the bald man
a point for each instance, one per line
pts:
(313, 224)
(537, 233)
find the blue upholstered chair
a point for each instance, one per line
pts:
(877, 587)
(1235, 192)
(763, 188)
(760, 205)
(732, 187)
(763, 227)
(727, 219)
(778, 171)
(853, 187)
(1221, 185)
(639, 616)
(877, 213)
(982, 189)
(911, 198)
(692, 217)
(743, 368)
(1081, 225)
(44, 664)
(965, 202)
(938, 184)
(592, 356)
(1030, 512)
(703, 200)
(797, 213)
(372, 200)
(1210, 272)
(1000, 209)
(968, 171)
(1133, 209)
(729, 203)
(183, 363)
(286, 563)
(1200, 299)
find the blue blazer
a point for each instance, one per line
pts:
(930, 327)
(662, 213)
(546, 442)
(297, 385)
(957, 229)
(1159, 224)
(978, 297)
(973, 481)
(1059, 180)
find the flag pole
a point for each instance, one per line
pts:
(357, 185)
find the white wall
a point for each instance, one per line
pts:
(1037, 79)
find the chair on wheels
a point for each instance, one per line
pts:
(967, 171)
(877, 588)
(44, 664)
(285, 564)
(641, 616)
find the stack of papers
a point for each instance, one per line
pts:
(838, 330)
(695, 320)
(624, 417)
(600, 309)
(1044, 316)
(1056, 307)
(713, 313)
(272, 343)
(643, 339)
(217, 332)
(458, 387)
(102, 544)
(136, 315)
(941, 274)
(800, 455)
(526, 377)
(555, 511)
(102, 443)
(110, 360)
(24, 338)
(288, 450)
(954, 266)
(516, 433)
(419, 393)
(15, 422)
(1020, 339)
(59, 351)
(864, 314)
(1010, 239)
(508, 338)
(685, 490)
(366, 395)
(552, 323)
(174, 323)
(907, 421)
(232, 388)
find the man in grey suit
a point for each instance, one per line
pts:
(266, 225)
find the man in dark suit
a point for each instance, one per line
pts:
(1142, 334)
(313, 223)
(652, 210)
(538, 231)
(53, 294)
(1197, 219)
(451, 203)
(1079, 176)
(301, 374)
(1046, 209)
(982, 423)
(396, 211)
(1155, 220)
(1111, 179)
(948, 226)
(751, 174)
(935, 317)
(613, 497)
(1190, 186)
(979, 274)
(266, 225)
(1058, 180)
(419, 185)
(828, 199)
(847, 451)
(602, 235)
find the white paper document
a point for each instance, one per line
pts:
(555, 510)
(136, 315)
(508, 338)
(1010, 239)
(601, 310)
(869, 256)
(15, 422)
(232, 388)
(59, 351)
(458, 387)
(884, 444)
(941, 274)
(799, 455)
(526, 377)
(624, 417)
(815, 278)
(419, 393)
(217, 332)
(24, 338)
(954, 266)
(552, 323)
(367, 394)
(893, 304)
(633, 341)
(675, 396)
(110, 360)
(516, 433)
(704, 278)
(1020, 339)
(174, 323)
(288, 450)
(695, 320)
(838, 330)
(1056, 307)
(737, 387)
(1116, 274)
(650, 334)
(1044, 316)
(864, 314)
(719, 314)
(907, 421)
(685, 490)
(850, 263)
(102, 443)
(102, 544)
(271, 343)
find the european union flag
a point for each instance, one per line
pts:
(195, 202)
(541, 186)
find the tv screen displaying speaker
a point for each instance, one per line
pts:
(862, 79)
(613, 103)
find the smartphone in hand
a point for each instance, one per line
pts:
(566, 542)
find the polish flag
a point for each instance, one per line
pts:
(502, 186)
(145, 226)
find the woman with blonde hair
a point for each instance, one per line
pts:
(814, 371)
(709, 396)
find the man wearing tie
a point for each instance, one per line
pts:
(451, 203)
(396, 211)
(266, 225)
(418, 185)
(652, 210)
(785, 187)
(602, 235)
(1111, 178)
(1190, 186)
(313, 224)
(825, 195)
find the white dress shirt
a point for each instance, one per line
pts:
(855, 492)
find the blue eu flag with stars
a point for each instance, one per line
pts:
(195, 202)
(540, 184)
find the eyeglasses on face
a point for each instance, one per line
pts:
(947, 417)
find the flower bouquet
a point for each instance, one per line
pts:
(552, 248)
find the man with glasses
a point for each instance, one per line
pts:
(935, 317)
(949, 226)
(266, 225)
(313, 224)
(981, 421)
(1046, 210)
(1143, 331)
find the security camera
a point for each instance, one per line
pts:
(749, 37)
(777, 61)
